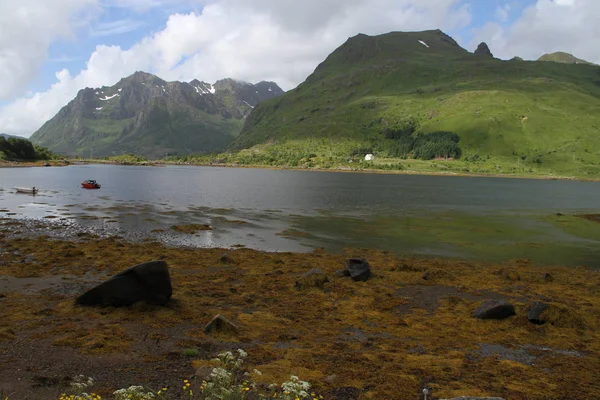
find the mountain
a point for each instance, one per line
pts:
(148, 116)
(561, 57)
(374, 90)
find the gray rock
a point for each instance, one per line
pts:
(149, 282)
(220, 324)
(342, 273)
(358, 269)
(535, 313)
(494, 309)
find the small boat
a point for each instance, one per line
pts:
(28, 190)
(90, 184)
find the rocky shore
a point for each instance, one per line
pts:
(359, 325)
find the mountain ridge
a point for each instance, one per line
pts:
(372, 90)
(149, 116)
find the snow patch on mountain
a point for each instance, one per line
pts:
(109, 97)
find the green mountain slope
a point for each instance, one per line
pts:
(148, 116)
(422, 82)
(562, 57)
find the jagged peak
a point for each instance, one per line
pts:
(483, 50)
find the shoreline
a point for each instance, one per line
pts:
(345, 170)
(408, 325)
(158, 163)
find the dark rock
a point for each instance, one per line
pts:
(494, 309)
(220, 324)
(483, 50)
(315, 278)
(426, 275)
(358, 269)
(535, 313)
(149, 282)
(342, 273)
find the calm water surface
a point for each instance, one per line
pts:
(277, 210)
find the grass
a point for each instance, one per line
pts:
(380, 336)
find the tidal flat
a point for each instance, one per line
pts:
(408, 326)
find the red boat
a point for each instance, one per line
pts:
(90, 184)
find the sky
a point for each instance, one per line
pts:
(51, 49)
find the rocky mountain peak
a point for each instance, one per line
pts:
(483, 50)
(149, 116)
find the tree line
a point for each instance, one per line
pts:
(440, 144)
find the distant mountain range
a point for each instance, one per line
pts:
(148, 116)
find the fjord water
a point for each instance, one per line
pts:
(283, 210)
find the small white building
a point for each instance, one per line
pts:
(369, 157)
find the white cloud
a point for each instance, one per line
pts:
(545, 27)
(28, 27)
(250, 40)
(116, 27)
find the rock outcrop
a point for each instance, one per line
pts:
(483, 50)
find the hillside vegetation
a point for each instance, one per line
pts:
(14, 148)
(515, 116)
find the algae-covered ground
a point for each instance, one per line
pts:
(386, 338)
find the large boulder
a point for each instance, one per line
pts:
(535, 313)
(494, 309)
(149, 282)
(357, 268)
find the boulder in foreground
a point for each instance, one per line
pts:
(149, 282)
(357, 268)
(494, 309)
